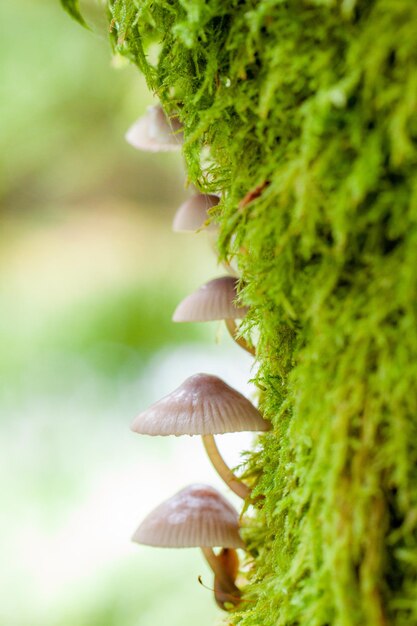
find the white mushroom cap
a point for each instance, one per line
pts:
(155, 132)
(212, 301)
(197, 516)
(192, 214)
(202, 405)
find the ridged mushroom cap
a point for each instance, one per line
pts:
(192, 214)
(197, 516)
(155, 132)
(202, 405)
(212, 301)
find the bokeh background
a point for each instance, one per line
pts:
(90, 273)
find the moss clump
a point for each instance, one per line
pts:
(318, 99)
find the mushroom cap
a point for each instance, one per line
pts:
(212, 301)
(155, 132)
(192, 214)
(197, 516)
(202, 405)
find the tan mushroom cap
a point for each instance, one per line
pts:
(202, 405)
(155, 132)
(212, 301)
(192, 214)
(197, 516)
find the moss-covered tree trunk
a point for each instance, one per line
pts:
(311, 106)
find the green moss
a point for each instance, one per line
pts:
(319, 99)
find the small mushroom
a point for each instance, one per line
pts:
(215, 300)
(192, 214)
(203, 405)
(198, 516)
(155, 132)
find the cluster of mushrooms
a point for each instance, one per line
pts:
(198, 515)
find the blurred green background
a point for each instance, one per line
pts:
(89, 276)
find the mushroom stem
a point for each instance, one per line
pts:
(225, 264)
(224, 596)
(227, 583)
(224, 471)
(232, 328)
(230, 270)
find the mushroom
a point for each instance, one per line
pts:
(215, 300)
(197, 516)
(191, 216)
(203, 405)
(155, 132)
